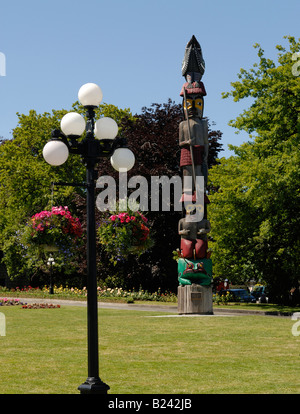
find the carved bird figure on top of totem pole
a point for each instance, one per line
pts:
(193, 66)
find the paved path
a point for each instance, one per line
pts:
(154, 308)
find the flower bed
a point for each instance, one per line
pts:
(140, 295)
(40, 306)
(9, 302)
(106, 293)
(17, 302)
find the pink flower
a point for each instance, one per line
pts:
(122, 215)
(113, 218)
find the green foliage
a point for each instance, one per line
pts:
(25, 180)
(254, 209)
(25, 189)
(223, 299)
(108, 110)
(24, 176)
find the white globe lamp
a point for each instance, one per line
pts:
(106, 128)
(72, 124)
(123, 159)
(55, 153)
(90, 94)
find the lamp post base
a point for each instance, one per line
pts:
(93, 385)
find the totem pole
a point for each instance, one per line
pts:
(194, 264)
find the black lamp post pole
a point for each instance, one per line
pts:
(93, 384)
(91, 150)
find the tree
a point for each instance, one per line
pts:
(255, 208)
(25, 180)
(153, 137)
(25, 189)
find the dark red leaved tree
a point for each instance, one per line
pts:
(153, 137)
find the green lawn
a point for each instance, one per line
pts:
(44, 352)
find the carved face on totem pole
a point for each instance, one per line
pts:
(194, 106)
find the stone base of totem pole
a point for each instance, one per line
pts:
(195, 299)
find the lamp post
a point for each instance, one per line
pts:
(99, 141)
(50, 263)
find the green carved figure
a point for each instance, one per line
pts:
(194, 271)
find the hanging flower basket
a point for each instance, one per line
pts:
(52, 230)
(124, 234)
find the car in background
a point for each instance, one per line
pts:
(260, 293)
(239, 295)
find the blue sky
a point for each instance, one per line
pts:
(133, 50)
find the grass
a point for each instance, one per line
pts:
(263, 307)
(44, 352)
